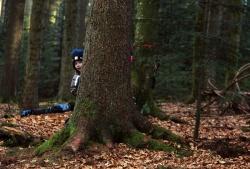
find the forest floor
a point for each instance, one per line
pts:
(222, 144)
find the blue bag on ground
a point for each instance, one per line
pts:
(62, 107)
(57, 108)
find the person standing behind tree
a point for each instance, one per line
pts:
(77, 57)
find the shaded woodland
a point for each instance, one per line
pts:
(160, 78)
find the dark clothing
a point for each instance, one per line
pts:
(56, 108)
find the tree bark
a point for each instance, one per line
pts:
(103, 106)
(231, 36)
(199, 49)
(146, 31)
(11, 54)
(1, 7)
(69, 36)
(30, 91)
(104, 110)
(81, 27)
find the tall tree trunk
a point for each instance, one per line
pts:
(1, 7)
(103, 106)
(104, 110)
(30, 92)
(50, 69)
(146, 31)
(81, 27)
(213, 32)
(11, 54)
(199, 49)
(69, 37)
(27, 14)
(231, 37)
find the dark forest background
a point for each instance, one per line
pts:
(174, 47)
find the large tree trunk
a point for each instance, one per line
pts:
(69, 37)
(30, 91)
(143, 77)
(104, 103)
(104, 110)
(11, 55)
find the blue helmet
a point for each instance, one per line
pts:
(77, 54)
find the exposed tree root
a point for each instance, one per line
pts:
(72, 139)
(13, 137)
(154, 111)
(140, 140)
(58, 139)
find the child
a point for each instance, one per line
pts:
(77, 56)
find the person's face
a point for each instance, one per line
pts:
(78, 65)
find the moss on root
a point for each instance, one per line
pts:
(162, 133)
(245, 129)
(153, 110)
(8, 124)
(57, 140)
(139, 140)
(136, 139)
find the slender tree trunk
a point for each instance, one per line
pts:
(213, 32)
(199, 48)
(27, 14)
(11, 55)
(231, 37)
(69, 43)
(81, 27)
(1, 7)
(30, 92)
(146, 31)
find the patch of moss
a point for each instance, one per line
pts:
(162, 133)
(139, 140)
(8, 124)
(10, 142)
(245, 129)
(150, 108)
(157, 145)
(57, 140)
(6, 116)
(87, 107)
(136, 139)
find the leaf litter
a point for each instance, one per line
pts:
(215, 131)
